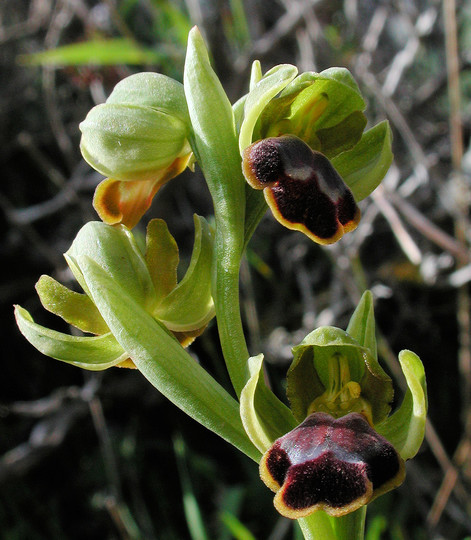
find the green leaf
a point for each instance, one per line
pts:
(163, 361)
(363, 167)
(115, 250)
(193, 514)
(405, 429)
(215, 142)
(93, 353)
(75, 308)
(102, 52)
(237, 529)
(267, 88)
(190, 306)
(264, 416)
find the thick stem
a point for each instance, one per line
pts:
(226, 295)
(319, 526)
(351, 526)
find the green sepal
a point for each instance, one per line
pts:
(405, 428)
(153, 90)
(161, 257)
(116, 251)
(132, 142)
(308, 376)
(163, 361)
(362, 326)
(343, 136)
(75, 308)
(338, 124)
(189, 305)
(344, 77)
(93, 353)
(238, 107)
(264, 416)
(258, 98)
(363, 167)
(255, 74)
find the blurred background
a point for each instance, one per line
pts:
(105, 456)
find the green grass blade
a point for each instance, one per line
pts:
(100, 52)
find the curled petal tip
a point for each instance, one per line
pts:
(302, 188)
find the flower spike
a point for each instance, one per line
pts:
(139, 140)
(302, 188)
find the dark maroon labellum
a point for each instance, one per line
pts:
(335, 465)
(302, 188)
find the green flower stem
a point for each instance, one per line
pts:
(351, 526)
(215, 145)
(317, 526)
(320, 526)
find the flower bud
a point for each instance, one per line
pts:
(139, 140)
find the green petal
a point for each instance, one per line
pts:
(116, 251)
(190, 306)
(75, 308)
(405, 429)
(161, 257)
(264, 416)
(162, 360)
(92, 353)
(363, 167)
(267, 88)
